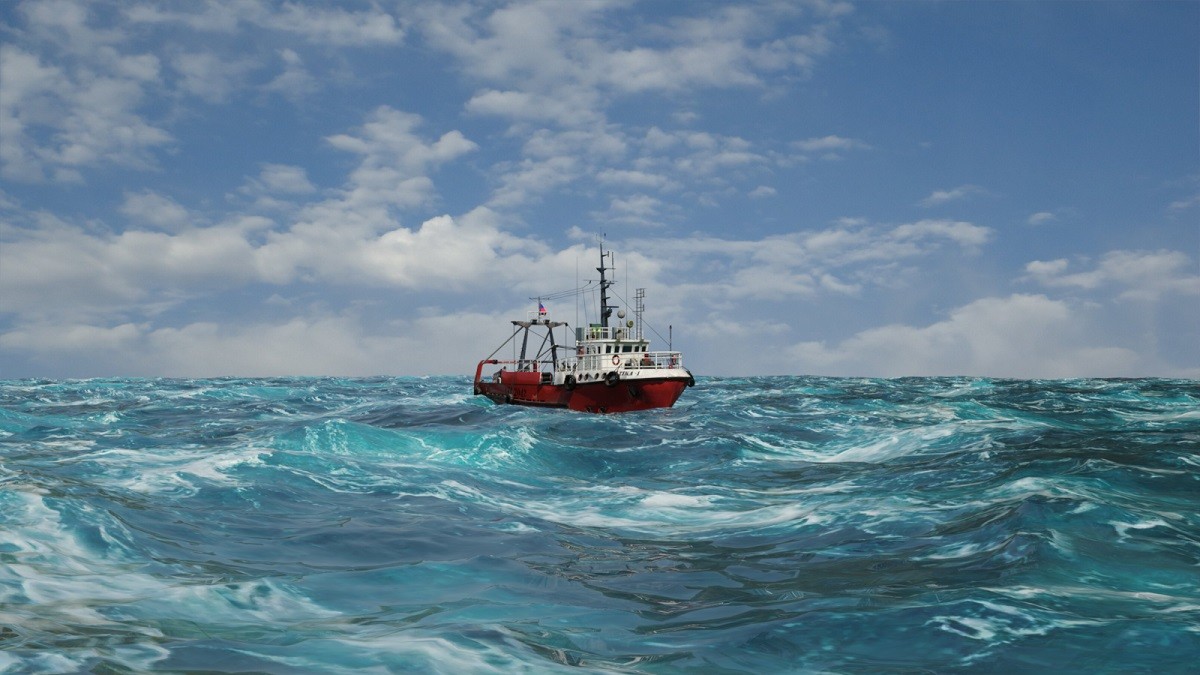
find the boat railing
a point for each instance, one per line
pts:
(491, 368)
(593, 362)
(603, 333)
(624, 361)
(661, 360)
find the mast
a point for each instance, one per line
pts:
(639, 306)
(605, 308)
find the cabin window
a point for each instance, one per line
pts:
(628, 348)
(607, 349)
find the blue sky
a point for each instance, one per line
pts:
(234, 187)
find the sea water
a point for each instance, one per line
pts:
(763, 525)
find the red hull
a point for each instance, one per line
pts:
(627, 395)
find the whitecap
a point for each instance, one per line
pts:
(1076, 591)
(674, 500)
(417, 652)
(895, 445)
(998, 622)
(174, 469)
(953, 552)
(43, 663)
(1123, 529)
(663, 513)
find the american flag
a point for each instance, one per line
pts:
(541, 309)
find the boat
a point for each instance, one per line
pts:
(609, 369)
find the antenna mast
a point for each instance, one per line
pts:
(605, 308)
(639, 306)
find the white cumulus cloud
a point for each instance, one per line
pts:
(156, 210)
(1137, 275)
(960, 193)
(1015, 336)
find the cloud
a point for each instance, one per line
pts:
(829, 147)
(1191, 182)
(317, 25)
(278, 187)
(598, 144)
(699, 154)
(571, 108)
(1139, 275)
(30, 98)
(444, 252)
(1042, 218)
(762, 191)
(1185, 204)
(1047, 269)
(622, 165)
(66, 24)
(726, 48)
(447, 253)
(316, 344)
(963, 233)
(635, 178)
(526, 180)
(84, 83)
(1059, 215)
(281, 178)
(685, 117)
(719, 63)
(156, 210)
(574, 58)
(351, 237)
(554, 70)
(66, 271)
(209, 76)
(638, 209)
(72, 274)
(57, 121)
(54, 341)
(70, 97)
(388, 138)
(335, 26)
(295, 83)
(394, 159)
(1015, 336)
(842, 259)
(960, 193)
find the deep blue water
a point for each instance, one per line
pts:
(763, 525)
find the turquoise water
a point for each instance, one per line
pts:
(762, 525)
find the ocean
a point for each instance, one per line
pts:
(763, 525)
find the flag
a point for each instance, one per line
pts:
(541, 309)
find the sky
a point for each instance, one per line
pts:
(879, 189)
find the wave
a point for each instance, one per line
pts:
(763, 524)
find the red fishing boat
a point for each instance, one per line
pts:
(609, 369)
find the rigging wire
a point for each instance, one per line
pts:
(645, 323)
(592, 287)
(558, 295)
